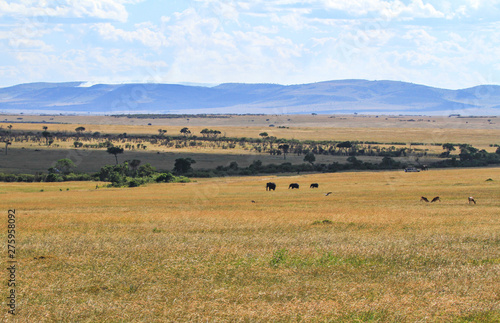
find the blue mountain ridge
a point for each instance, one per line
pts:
(340, 96)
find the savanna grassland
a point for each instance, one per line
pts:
(428, 132)
(203, 251)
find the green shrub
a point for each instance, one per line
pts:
(165, 178)
(54, 178)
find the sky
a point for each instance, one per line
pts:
(448, 44)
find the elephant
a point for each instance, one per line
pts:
(270, 186)
(293, 185)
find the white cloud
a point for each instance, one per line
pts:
(145, 33)
(281, 41)
(204, 49)
(29, 44)
(95, 65)
(101, 9)
(420, 37)
(385, 9)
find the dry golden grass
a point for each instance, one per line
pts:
(353, 133)
(475, 131)
(203, 251)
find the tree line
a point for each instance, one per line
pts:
(127, 174)
(212, 138)
(131, 173)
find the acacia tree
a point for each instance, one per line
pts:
(271, 139)
(310, 158)
(264, 136)
(467, 152)
(7, 141)
(209, 132)
(185, 131)
(47, 135)
(344, 146)
(79, 131)
(115, 151)
(284, 148)
(449, 148)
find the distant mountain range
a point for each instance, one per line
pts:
(332, 97)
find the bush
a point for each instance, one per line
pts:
(53, 178)
(8, 177)
(182, 179)
(146, 170)
(165, 178)
(25, 178)
(77, 177)
(135, 182)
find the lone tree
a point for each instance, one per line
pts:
(185, 131)
(115, 151)
(264, 136)
(284, 148)
(210, 133)
(7, 140)
(183, 165)
(79, 131)
(7, 143)
(310, 158)
(47, 135)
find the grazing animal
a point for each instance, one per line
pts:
(471, 199)
(270, 186)
(253, 201)
(423, 198)
(328, 193)
(293, 185)
(314, 185)
(436, 199)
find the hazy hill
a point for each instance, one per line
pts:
(343, 96)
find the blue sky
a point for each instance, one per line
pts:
(448, 44)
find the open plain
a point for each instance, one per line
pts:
(225, 249)
(228, 250)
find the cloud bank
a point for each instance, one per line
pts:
(438, 43)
